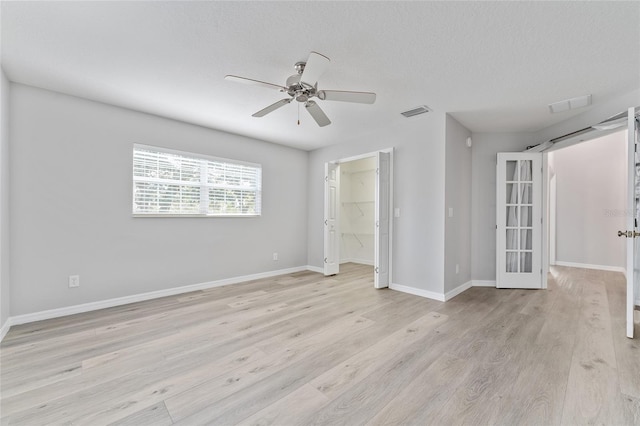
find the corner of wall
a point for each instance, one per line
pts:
(457, 218)
(5, 295)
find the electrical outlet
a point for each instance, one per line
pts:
(74, 281)
(275, 256)
(457, 268)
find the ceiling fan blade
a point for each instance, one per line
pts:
(344, 96)
(316, 66)
(272, 107)
(317, 114)
(253, 82)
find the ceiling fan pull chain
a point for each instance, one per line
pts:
(298, 113)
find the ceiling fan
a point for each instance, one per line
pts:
(303, 86)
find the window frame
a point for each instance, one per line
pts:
(200, 157)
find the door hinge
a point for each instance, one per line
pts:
(326, 178)
(325, 260)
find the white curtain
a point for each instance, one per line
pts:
(520, 194)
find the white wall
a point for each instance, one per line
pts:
(458, 197)
(4, 201)
(357, 194)
(591, 201)
(486, 147)
(71, 165)
(418, 185)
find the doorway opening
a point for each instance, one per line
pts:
(358, 200)
(591, 203)
(587, 187)
(357, 213)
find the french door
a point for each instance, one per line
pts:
(519, 220)
(633, 197)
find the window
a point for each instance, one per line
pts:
(168, 182)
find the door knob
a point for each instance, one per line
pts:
(628, 234)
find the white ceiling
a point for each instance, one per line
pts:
(493, 66)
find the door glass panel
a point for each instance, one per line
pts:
(525, 170)
(512, 239)
(526, 216)
(512, 193)
(512, 216)
(525, 262)
(511, 171)
(526, 236)
(512, 261)
(526, 192)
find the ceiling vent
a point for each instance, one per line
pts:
(416, 111)
(573, 103)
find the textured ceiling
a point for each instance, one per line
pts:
(493, 66)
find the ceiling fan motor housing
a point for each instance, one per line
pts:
(298, 90)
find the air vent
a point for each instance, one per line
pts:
(416, 111)
(573, 103)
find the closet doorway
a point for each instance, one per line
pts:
(357, 225)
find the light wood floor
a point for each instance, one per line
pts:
(303, 349)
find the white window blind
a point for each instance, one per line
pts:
(168, 182)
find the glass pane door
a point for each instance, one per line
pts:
(519, 213)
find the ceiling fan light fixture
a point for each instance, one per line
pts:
(422, 109)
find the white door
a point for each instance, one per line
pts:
(632, 208)
(331, 218)
(519, 220)
(382, 207)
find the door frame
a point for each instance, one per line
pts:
(391, 204)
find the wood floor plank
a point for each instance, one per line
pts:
(155, 415)
(212, 397)
(290, 410)
(336, 380)
(431, 388)
(627, 350)
(593, 389)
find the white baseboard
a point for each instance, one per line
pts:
(589, 266)
(418, 292)
(456, 291)
(315, 269)
(483, 283)
(109, 303)
(359, 261)
(5, 328)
